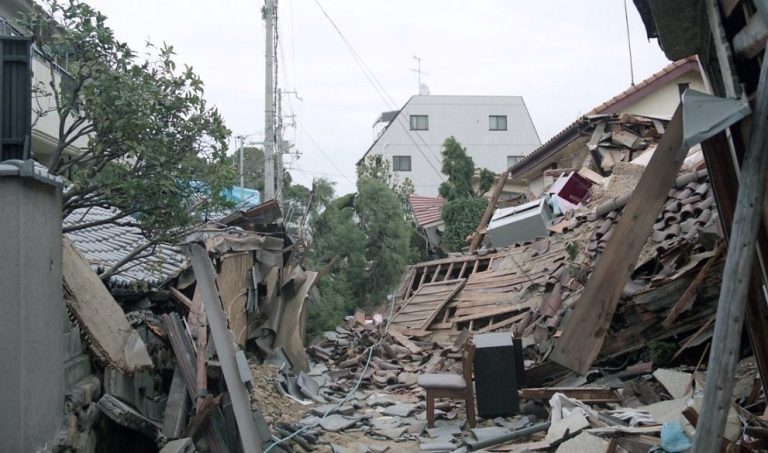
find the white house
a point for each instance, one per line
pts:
(45, 129)
(657, 96)
(497, 132)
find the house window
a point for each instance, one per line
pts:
(401, 163)
(512, 160)
(419, 123)
(497, 123)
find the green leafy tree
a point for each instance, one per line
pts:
(379, 168)
(388, 238)
(155, 149)
(464, 204)
(362, 244)
(253, 167)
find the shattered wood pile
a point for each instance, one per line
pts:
(622, 138)
(529, 289)
(165, 375)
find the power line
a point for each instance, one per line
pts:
(381, 91)
(327, 157)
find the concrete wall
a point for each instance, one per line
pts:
(32, 321)
(466, 118)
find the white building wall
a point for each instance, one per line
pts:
(45, 120)
(663, 102)
(467, 119)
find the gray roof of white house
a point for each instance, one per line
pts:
(105, 245)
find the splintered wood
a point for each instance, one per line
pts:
(422, 307)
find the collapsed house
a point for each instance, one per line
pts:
(151, 359)
(542, 289)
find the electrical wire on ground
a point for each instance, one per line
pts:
(371, 349)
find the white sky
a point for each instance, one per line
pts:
(563, 56)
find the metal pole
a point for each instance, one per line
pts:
(629, 45)
(242, 167)
(733, 292)
(269, 11)
(279, 149)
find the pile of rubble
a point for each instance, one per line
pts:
(147, 365)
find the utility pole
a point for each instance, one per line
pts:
(269, 13)
(279, 149)
(241, 168)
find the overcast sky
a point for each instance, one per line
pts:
(564, 57)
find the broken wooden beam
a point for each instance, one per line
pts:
(478, 235)
(584, 334)
(690, 294)
(584, 394)
(735, 287)
(223, 340)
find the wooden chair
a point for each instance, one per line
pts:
(449, 385)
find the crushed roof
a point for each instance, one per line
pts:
(426, 210)
(608, 107)
(106, 245)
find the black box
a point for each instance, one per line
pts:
(499, 374)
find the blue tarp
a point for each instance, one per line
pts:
(242, 197)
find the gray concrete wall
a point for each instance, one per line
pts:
(32, 321)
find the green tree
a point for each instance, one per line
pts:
(379, 168)
(388, 239)
(362, 242)
(253, 167)
(460, 168)
(464, 204)
(155, 149)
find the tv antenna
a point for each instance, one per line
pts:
(418, 68)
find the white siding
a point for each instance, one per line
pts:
(466, 118)
(663, 102)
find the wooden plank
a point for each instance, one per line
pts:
(736, 286)
(718, 154)
(400, 338)
(584, 394)
(583, 336)
(477, 236)
(437, 271)
(486, 308)
(690, 294)
(487, 313)
(234, 273)
(431, 317)
(504, 323)
(448, 272)
(463, 268)
(175, 415)
(420, 310)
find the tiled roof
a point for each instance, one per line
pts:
(426, 210)
(647, 86)
(611, 106)
(105, 245)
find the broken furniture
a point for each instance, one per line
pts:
(498, 364)
(447, 385)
